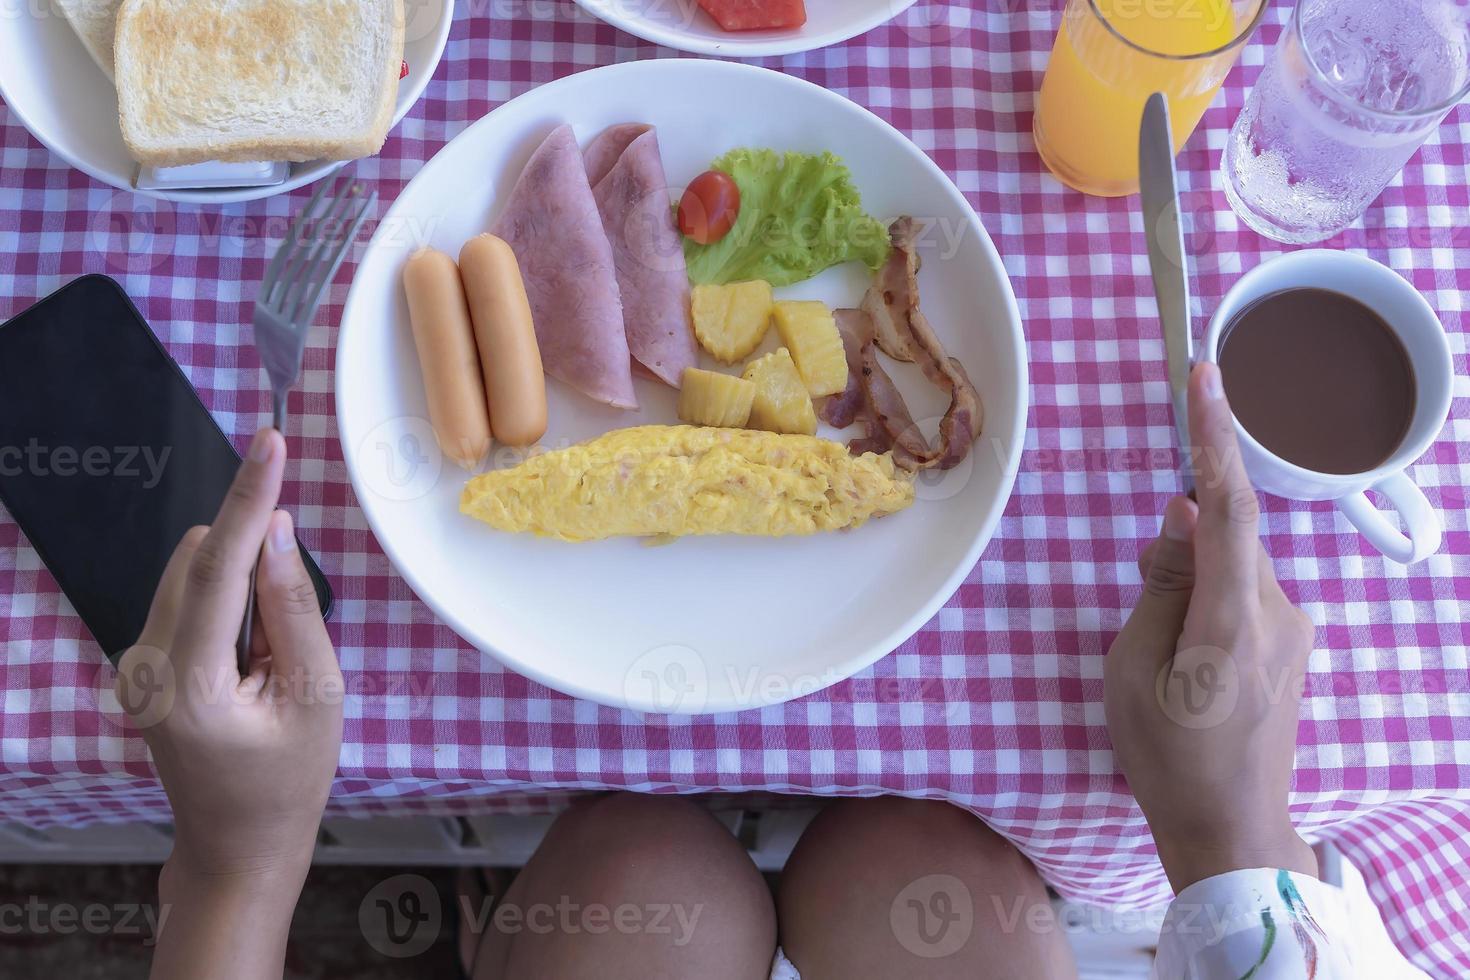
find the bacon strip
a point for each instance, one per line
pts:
(890, 320)
(856, 328)
(895, 291)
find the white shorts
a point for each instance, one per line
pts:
(781, 968)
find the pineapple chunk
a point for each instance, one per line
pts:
(781, 400)
(731, 321)
(809, 331)
(711, 398)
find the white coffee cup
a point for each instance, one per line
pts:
(1411, 318)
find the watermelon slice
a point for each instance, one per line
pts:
(755, 15)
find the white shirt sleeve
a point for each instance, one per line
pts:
(1256, 924)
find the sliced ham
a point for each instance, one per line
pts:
(552, 222)
(603, 153)
(626, 172)
(891, 320)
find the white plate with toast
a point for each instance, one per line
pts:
(683, 25)
(52, 80)
(704, 624)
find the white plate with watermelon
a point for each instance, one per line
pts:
(747, 28)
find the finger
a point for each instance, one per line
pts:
(163, 614)
(289, 608)
(1266, 582)
(254, 682)
(1152, 631)
(146, 685)
(1299, 632)
(219, 575)
(260, 648)
(1146, 557)
(1229, 512)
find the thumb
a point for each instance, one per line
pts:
(289, 607)
(1168, 586)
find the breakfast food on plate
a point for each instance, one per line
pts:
(800, 214)
(781, 403)
(95, 22)
(891, 320)
(440, 318)
(505, 335)
(244, 80)
(871, 396)
(586, 259)
(714, 399)
(809, 331)
(731, 321)
(756, 15)
(627, 177)
(709, 207)
(552, 223)
(682, 480)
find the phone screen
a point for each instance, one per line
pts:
(107, 456)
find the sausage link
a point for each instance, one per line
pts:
(506, 335)
(445, 340)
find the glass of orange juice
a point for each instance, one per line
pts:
(1110, 55)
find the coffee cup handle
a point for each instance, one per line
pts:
(1414, 510)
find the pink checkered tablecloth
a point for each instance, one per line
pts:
(997, 703)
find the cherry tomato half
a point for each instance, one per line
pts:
(709, 207)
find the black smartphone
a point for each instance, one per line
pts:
(107, 455)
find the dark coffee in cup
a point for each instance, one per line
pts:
(1319, 380)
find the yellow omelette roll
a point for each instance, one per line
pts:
(687, 480)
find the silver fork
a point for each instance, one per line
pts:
(306, 262)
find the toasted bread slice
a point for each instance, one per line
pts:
(95, 22)
(238, 80)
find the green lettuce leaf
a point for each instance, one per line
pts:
(799, 215)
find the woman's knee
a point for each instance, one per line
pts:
(646, 831)
(669, 886)
(900, 884)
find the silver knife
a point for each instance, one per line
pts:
(1159, 186)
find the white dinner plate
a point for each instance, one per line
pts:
(56, 90)
(683, 25)
(702, 624)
